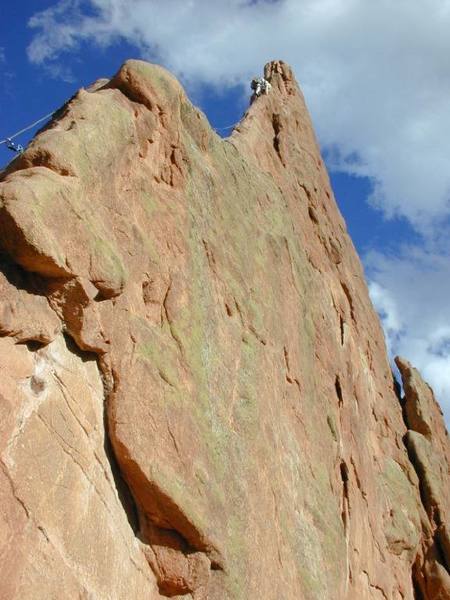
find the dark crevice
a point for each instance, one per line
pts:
(260, 339)
(239, 311)
(313, 215)
(210, 256)
(311, 211)
(349, 299)
(166, 315)
(101, 296)
(32, 345)
(440, 551)
(286, 362)
(397, 388)
(341, 326)
(289, 377)
(345, 497)
(123, 491)
(21, 279)
(338, 387)
(277, 127)
(417, 591)
(344, 473)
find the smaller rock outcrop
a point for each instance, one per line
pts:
(429, 451)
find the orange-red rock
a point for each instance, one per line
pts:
(196, 400)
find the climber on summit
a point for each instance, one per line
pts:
(260, 86)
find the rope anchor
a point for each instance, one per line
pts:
(13, 146)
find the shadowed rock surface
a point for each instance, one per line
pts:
(196, 400)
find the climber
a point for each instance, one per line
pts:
(14, 147)
(260, 86)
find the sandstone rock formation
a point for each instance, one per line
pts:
(196, 400)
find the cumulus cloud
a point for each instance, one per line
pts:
(376, 77)
(411, 292)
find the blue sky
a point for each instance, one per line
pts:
(376, 79)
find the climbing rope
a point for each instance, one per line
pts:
(17, 147)
(227, 127)
(219, 129)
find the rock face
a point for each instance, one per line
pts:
(196, 400)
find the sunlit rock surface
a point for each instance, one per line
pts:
(195, 396)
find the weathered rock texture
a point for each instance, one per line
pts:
(195, 396)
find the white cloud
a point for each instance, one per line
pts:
(411, 294)
(376, 77)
